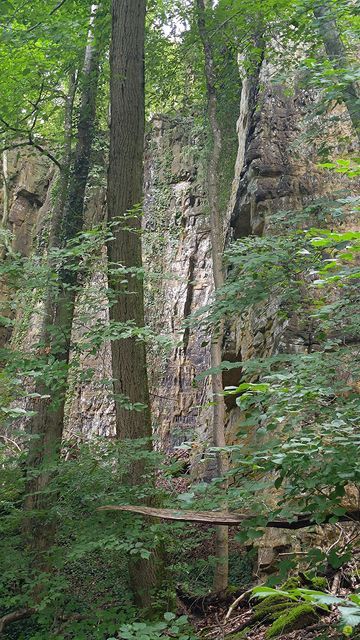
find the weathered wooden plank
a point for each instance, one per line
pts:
(224, 517)
(206, 517)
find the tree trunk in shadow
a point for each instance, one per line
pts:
(217, 244)
(125, 194)
(46, 427)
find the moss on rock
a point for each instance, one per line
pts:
(319, 583)
(296, 618)
(267, 610)
(267, 602)
(294, 582)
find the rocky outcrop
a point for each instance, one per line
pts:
(29, 179)
(178, 261)
(281, 143)
(276, 170)
(22, 199)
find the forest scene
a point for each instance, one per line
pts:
(179, 319)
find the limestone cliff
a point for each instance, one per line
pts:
(177, 249)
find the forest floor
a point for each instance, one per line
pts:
(235, 629)
(212, 624)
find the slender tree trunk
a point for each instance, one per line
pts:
(55, 232)
(336, 53)
(5, 292)
(125, 192)
(47, 425)
(217, 244)
(63, 183)
(5, 174)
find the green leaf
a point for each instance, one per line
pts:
(350, 615)
(264, 592)
(168, 616)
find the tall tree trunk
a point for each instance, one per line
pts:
(46, 426)
(336, 53)
(217, 245)
(125, 192)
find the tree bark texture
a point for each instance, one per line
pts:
(336, 53)
(217, 245)
(125, 192)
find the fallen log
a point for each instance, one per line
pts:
(228, 518)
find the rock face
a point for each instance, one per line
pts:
(178, 258)
(278, 171)
(25, 194)
(280, 164)
(30, 177)
(177, 246)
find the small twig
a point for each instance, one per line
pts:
(35, 106)
(293, 553)
(7, 439)
(235, 603)
(12, 128)
(9, 147)
(220, 627)
(336, 583)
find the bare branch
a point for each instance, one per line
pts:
(46, 153)
(12, 128)
(236, 603)
(15, 145)
(31, 143)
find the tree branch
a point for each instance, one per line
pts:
(31, 143)
(38, 24)
(14, 616)
(36, 105)
(228, 518)
(11, 128)
(46, 153)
